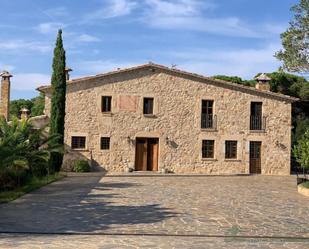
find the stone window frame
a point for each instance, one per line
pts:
(98, 143)
(263, 115)
(241, 150)
(113, 103)
(155, 106)
(214, 108)
(214, 146)
(202, 137)
(227, 142)
(79, 134)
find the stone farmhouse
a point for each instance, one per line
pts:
(154, 118)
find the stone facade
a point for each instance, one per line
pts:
(176, 121)
(5, 94)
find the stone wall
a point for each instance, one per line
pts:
(177, 111)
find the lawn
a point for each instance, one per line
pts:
(33, 184)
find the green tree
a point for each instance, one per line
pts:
(58, 84)
(235, 79)
(295, 40)
(301, 150)
(38, 104)
(16, 105)
(24, 149)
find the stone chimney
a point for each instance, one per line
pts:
(263, 82)
(24, 113)
(67, 73)
(5, 94)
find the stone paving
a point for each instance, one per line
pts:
(159, 212)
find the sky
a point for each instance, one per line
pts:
(209, 37)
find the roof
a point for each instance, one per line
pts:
(182, 73)
(263, 77)
(5, 74)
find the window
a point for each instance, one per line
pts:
(230, 149)
(208, 148)
(207, 119)
(78, 143)
(105, 141)
(256, 119)
(106, 104)
(148, 106)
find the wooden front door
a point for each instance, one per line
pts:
(146, 155)
(255, 157)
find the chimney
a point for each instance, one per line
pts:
(263, 82)
(5, 94)
(24, 113)
(67, 73)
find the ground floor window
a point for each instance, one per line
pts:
(78, 142)
(230, 149)
(208, 148)
(105, 143)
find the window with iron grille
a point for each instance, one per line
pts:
(207, 120)
(105, 143)
(208, 148)
(78, 142)
(148, 106)
(230, 149)
(106, 104)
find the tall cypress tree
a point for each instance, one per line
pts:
(58, 87)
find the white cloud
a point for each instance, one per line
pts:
(49, 27)
(87, 38)
(24, 46)
(189, 15)
(178, 7)
(240, 62)
(29, 81)
(113, 8)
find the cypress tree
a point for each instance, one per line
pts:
(58, 88)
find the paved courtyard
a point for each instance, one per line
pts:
(159, 212)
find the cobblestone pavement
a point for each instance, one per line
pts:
(174, 211)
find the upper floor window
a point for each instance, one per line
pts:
(207, 117)
(105, 143)
(78, 142)
(148, 106)
(208, 148)
(230, 149)
(106, 104)
(256, 118)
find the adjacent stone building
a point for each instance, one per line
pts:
(156, 118)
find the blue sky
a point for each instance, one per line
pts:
(232, 37)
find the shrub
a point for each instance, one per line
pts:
(301, 151)
(81, 166)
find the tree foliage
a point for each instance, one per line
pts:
(24, 149)
(34, 105)
(295, 40)
(301, 150)
(58, 85)
(235, 79)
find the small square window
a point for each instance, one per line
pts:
(148, 106)
(208, 148)
(105, 143)
(230, 149)
(106, 104)
(78, 142)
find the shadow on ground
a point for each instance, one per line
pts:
(70, 206)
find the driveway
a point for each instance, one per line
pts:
(168, 211)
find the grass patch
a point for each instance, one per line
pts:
(305, 184)
(33, 184)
